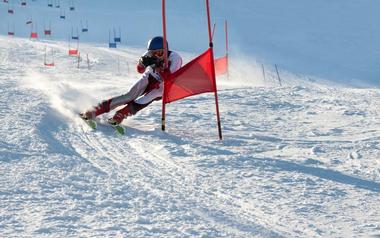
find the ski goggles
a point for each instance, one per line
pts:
(157, 53)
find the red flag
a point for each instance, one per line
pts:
(192, 79)
(49, 64)
(73, 52)
(33, 35)
(221, 65)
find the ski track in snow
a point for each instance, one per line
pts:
(296, 161)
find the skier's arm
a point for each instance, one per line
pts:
(175, 62)
(140, 68)
(148, 60)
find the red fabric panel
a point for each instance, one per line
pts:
(73, 52)
(192, 79)
(221, 65)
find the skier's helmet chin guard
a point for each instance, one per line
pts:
(156, 43)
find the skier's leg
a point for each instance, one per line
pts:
(133, 107)
(112, 103)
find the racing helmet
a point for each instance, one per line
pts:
(156, 43)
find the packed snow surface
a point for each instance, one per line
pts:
(300, 160)
(300, 150)
(336, 40)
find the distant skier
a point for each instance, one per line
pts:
(149, 88)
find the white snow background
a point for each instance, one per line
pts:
(297, 160)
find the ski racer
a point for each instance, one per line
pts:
(147, 89)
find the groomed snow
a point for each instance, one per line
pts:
(301, 160)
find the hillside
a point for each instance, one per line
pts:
(335, 40)
(300, 150)
(299, 160)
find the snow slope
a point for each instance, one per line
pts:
(337, 40)
(300, 160)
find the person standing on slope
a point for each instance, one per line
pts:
(148, 88)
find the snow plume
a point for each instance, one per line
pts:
(244, 72)
(62, 96)
(248, 71)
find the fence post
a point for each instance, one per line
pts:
(278, 75)
(262, 66)
(78, 59)
(88, 61)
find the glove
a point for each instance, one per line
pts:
(152, 61)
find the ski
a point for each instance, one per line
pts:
(118, 129)
(91, 123)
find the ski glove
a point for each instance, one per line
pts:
(152, 61)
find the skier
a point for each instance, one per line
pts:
(149, 88)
